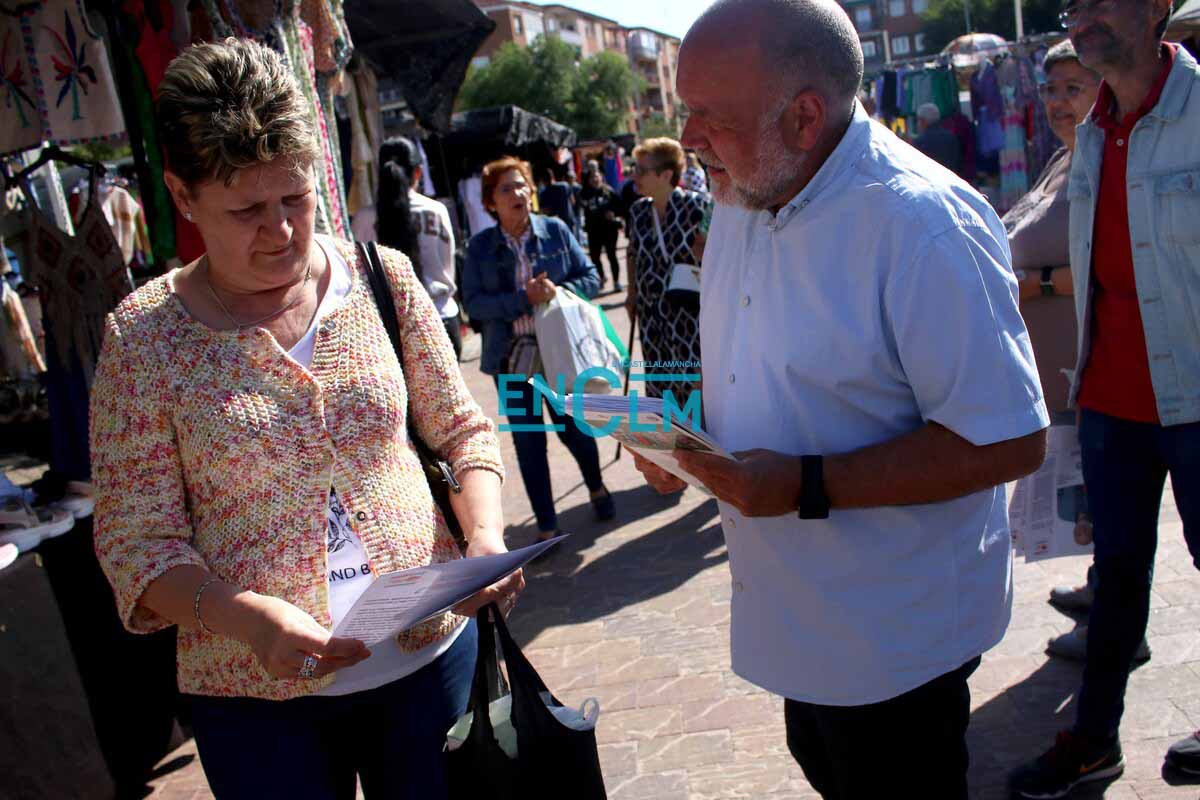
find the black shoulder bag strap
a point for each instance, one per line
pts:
(437, 472)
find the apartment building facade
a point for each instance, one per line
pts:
(653, 55)
(888, 29)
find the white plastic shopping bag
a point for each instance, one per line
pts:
(571, 339)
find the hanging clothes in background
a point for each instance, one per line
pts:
(937, 86)
(427, 187)
(614, 172)
(124, 215)
(470, 195)
(1025, 128)
(131, 50)
(366, 137)
(80, 280)
(1019, 73)
(56, 78)
(987, 107)
(889, 107)
(19, 356)
(958, 124)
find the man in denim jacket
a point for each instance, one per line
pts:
(1135, 260)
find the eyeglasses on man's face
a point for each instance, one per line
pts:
(1071, 15)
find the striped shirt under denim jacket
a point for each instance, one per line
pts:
(215, 449)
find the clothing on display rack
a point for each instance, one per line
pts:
(56, 77)
(81, 278)
(987, 107)
(366, 136)
(19, 356)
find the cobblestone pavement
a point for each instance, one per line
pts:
(636, 613)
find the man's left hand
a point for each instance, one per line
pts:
(760, 483)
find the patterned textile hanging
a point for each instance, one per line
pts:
(55, 78)
(313, 39)
(80, 279)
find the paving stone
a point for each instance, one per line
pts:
(682, 689)
(639, 724)
(732, 713)
(661, 786)
(685, 751)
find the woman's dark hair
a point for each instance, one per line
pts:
(394, 223)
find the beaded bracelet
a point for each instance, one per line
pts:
(196, 606)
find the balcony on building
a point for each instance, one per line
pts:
(643, 46)
(565, 29)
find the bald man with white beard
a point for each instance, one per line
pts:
(865, 359)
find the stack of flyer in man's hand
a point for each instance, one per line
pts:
(639, 423)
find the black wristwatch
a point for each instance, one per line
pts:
(814, 503)
(1048, 281)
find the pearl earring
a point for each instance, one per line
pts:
(187, 215)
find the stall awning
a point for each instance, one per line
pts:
(510, 126)
(423, 45)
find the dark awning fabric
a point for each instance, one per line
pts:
(510, 126)
(424, 45)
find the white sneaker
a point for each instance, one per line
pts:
(22, 525)
(79, 500)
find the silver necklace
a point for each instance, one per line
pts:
(243, 326)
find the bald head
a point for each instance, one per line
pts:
(800, 42)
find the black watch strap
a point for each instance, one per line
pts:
(814, 503)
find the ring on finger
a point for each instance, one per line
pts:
(308, 667)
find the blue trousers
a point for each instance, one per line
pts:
(392, 737)
(1125, 465)
(525, 408)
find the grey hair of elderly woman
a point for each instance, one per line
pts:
(1063, 52)
(226, 106)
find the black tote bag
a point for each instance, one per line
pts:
(553, 761)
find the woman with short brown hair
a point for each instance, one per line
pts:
(253, 470)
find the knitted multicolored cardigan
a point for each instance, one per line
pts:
(214, 448)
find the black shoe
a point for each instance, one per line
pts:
(1072, 761)
(617, 287)
(1184, 755)
(604, 507)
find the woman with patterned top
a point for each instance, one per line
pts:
(663, 229)
(511, 268)
(694, 179)
(253, 471)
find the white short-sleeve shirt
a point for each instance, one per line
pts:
(880, 298)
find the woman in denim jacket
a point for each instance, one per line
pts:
(511, 268)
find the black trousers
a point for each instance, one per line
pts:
(605, 240)
(913, 745)
(455, 334)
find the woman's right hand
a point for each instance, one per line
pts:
(282, 635)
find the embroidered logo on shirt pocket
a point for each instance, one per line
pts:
(1177, 203)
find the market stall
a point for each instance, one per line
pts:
(986, 90)
(477, 137)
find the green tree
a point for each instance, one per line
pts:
(945, 20)
(600, 98)
(657, 124)
(548, 78)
